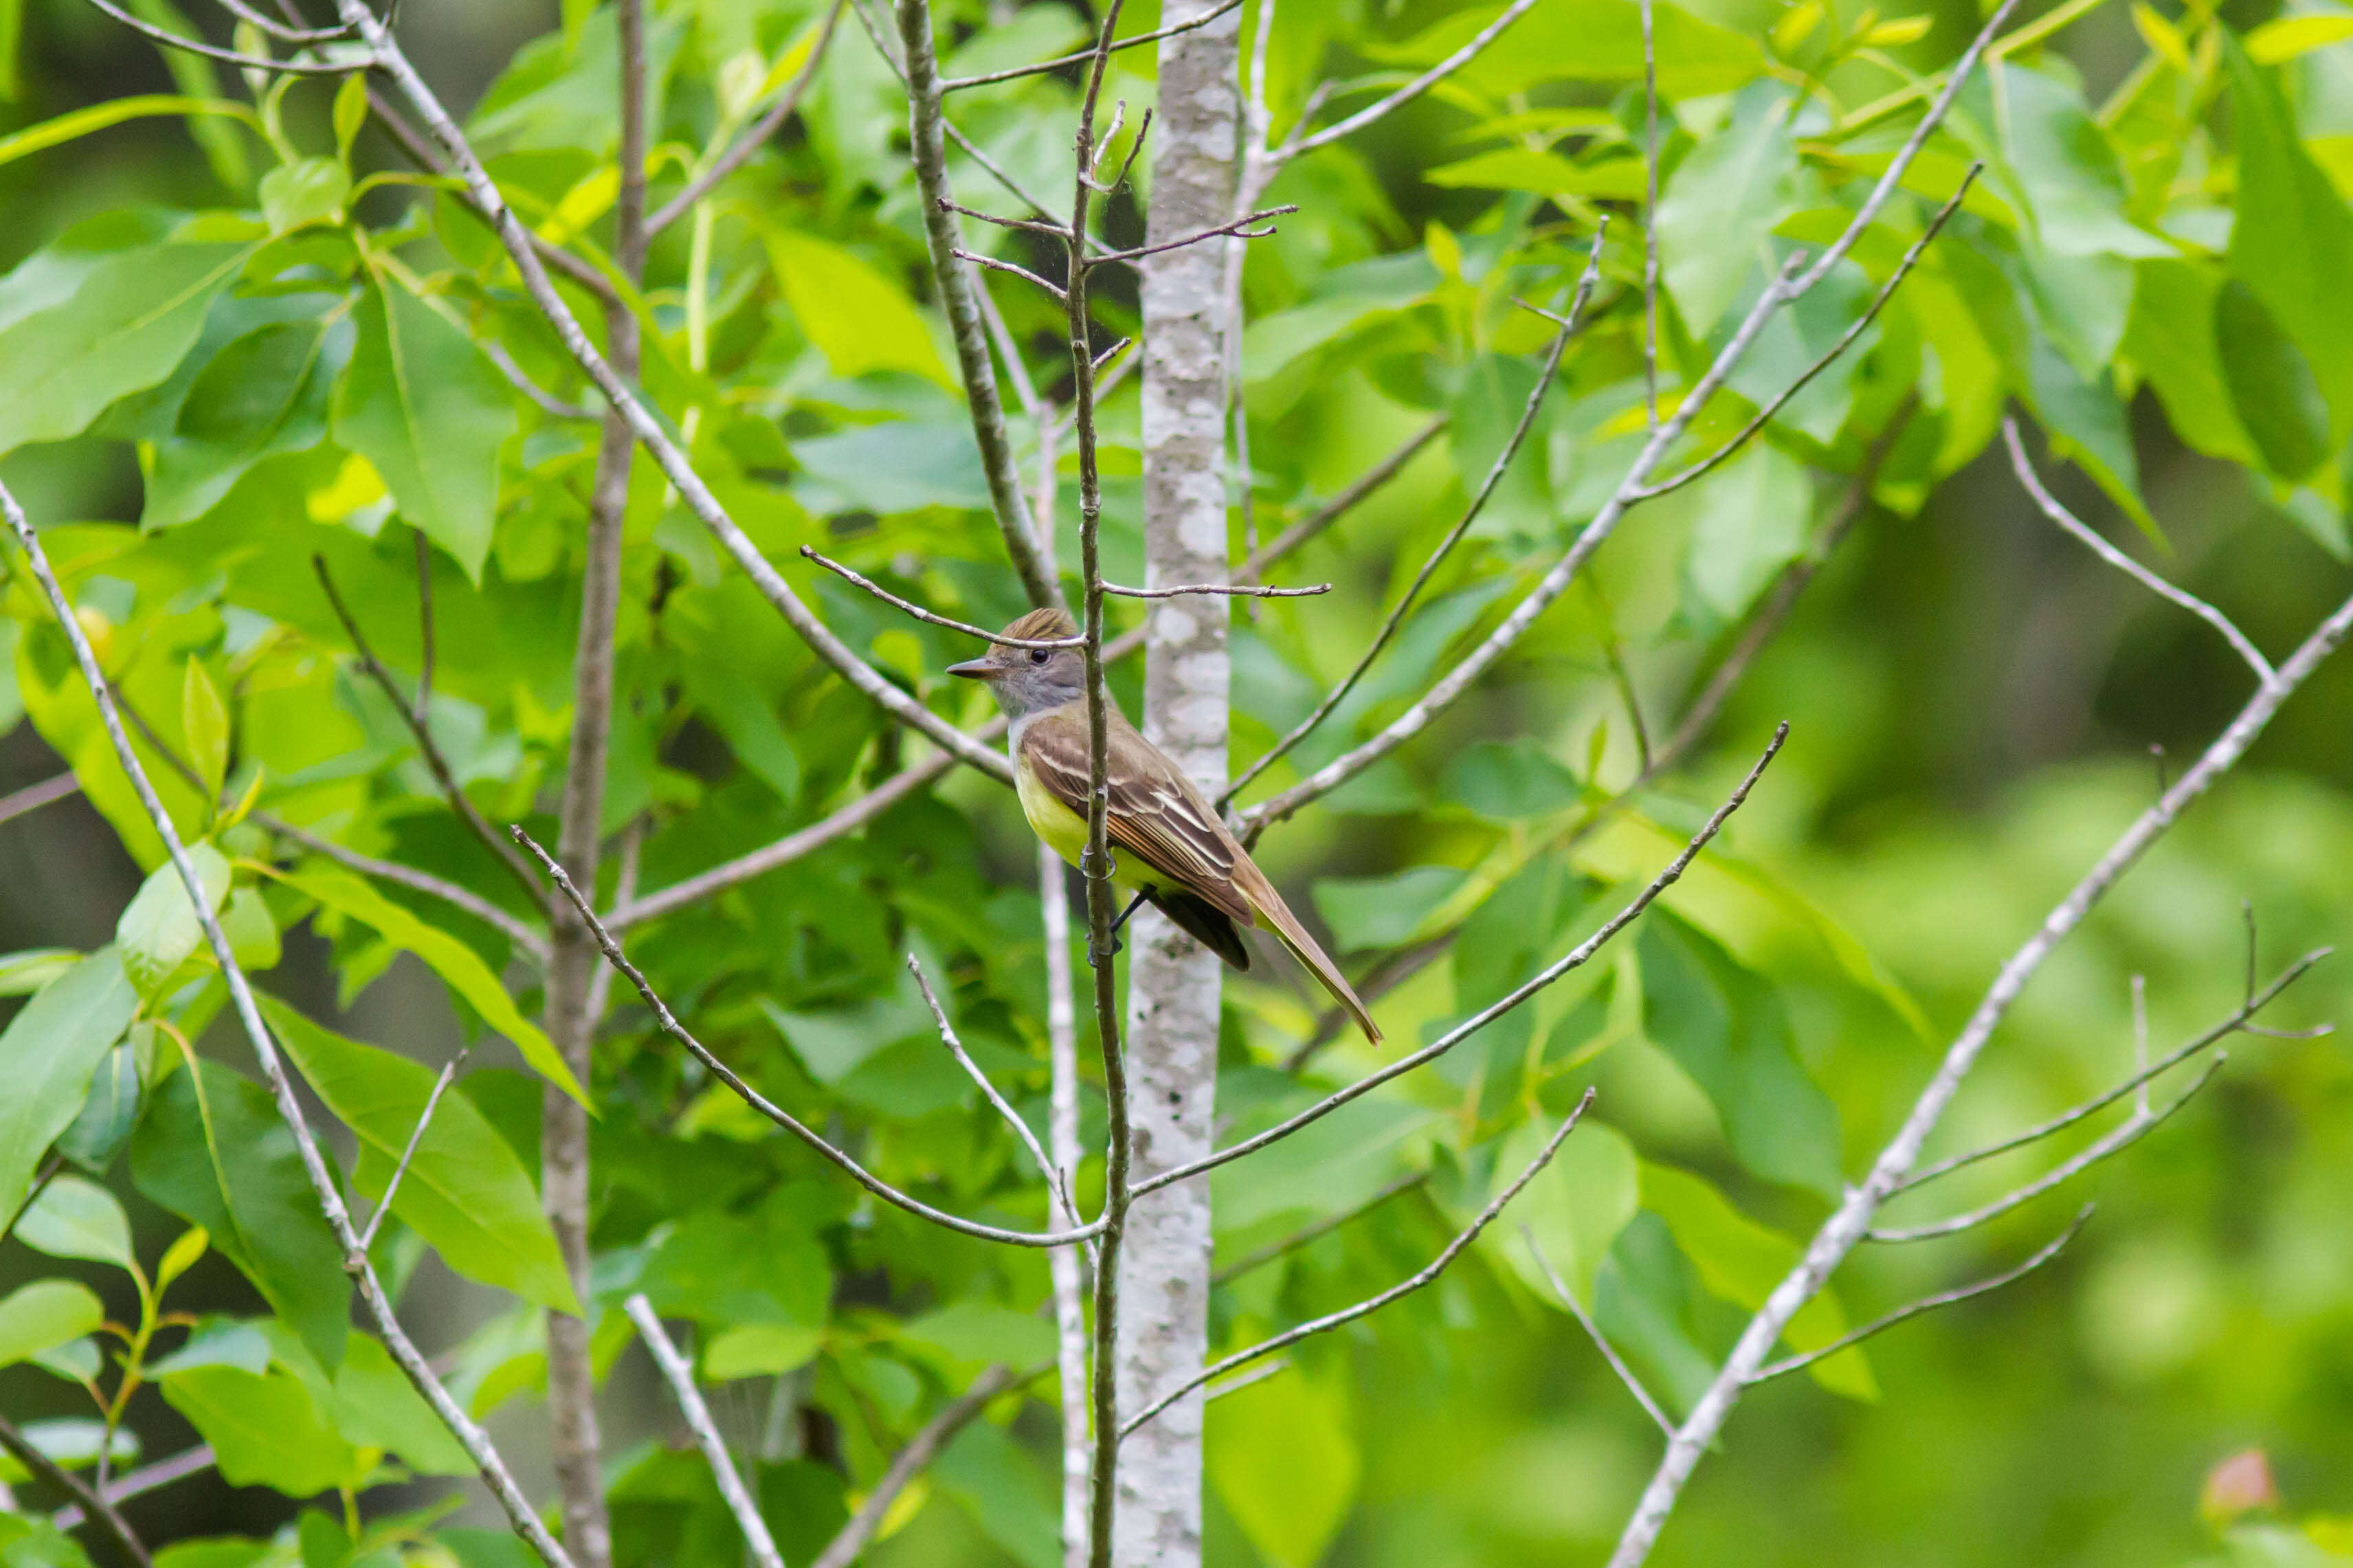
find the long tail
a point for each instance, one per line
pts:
(1285, 925)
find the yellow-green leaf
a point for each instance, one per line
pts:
(204, 720)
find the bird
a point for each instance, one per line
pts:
(1171, 847)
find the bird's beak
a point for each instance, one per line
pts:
(973, 668)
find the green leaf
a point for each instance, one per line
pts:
(307, 191)
(2284, 38)
(2060, 159)
(23, 973)
(1724, 1025)
(724, 1269)
(74, 1443)
(204, 720)
(1384, 911)
(859, 319)
(197, 77)
(264, 1430)
(466, 1191)
(1751, 521)
(1547, 173)
(125, 325)
(421, 404)
(1576, 1206)
(265, 394)
(2271, 384)
(46, 1314)
(12, 28)
(351, 113)
(1583, 41)
(977, 1333)
(214, 1151)
(2086, 422)
(1742, 1261)
(77, 1219)
(118, 1093)
(72, 127)
(33, 1542)
(760, 1349)
(376, 1406)
(1007, 1492)
(459, 967)
(181, 1256)
(47, 1055)
(1285, 1463)
(2292, 241)
(159, 930)
(1508, 780)
(1718, 214)
(2170, 336)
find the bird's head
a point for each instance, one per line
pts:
(1031, 679)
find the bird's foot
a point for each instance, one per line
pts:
(1096, 961)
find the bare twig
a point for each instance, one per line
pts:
(471, 1437)
(1406, 1287)
(2024, 468)
(958, 83)
(1295, 144)
(1056, 1186)
(496, 353)
(1245, 590)
(172, 40)
(1445, 546)
(2048, 1251)
(1061, 294)
(1339, 506)
(33, 796)
(1238, 228)
(91, 1503)
(931, 617)
(423, 733)
(146, 1478)
(416, 1136)
(1847, 1225)
(1650, 1407)
(527, 940)
(1780, 400)
(280, 30)
(1285, 1246)
(756, 136)
(669, 1025)
(1575, 958)
(909, 1462)
(680, 1375)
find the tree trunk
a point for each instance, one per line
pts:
(1173, 981)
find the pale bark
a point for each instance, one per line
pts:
(1173, 983)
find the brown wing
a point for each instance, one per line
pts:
(1155, 814)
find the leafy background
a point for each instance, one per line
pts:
(2150, 268)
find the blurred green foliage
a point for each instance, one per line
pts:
(238, 332)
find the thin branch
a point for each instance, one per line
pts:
(280, 30)
(2048, 1251)
(33, 796)
(2148, 1072)
(680, 1378)
(1295, 144)
(958, 83)
(526, 940)
(1055, 1185)
(929, 618)
(1062, 1137)
(1061, 294)
(2239, 641)
(1256, 1374)
(1780, 400)
(91, 1503)
(1285, 1246)
(496, 353)
(909, 1462)
(416, 1136)
(1650, 1407)
(926, 124)
(423, 733)
(1245, 590)
(1428, 1273)
(1575, 958)
(1021, 225)
(1340, 505)
(1395, 617)
(170, 39)
(756, 137)
(1025, 393)
(146, 1478)
(1238, 228)
(668, 1024)
(2123, 1136)
(420, 708)
(1839, 1233)
(519, 1511)
(1791, 284)
(643, 423)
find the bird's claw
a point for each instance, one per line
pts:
(1096, 961)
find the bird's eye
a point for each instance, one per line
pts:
(1039, 655)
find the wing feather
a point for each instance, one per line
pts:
(1156, 813)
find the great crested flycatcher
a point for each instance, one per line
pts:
(1172, 848)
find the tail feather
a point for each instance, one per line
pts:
(1285, 925)
(1205, 924)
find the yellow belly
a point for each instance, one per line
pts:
(1065, 832)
